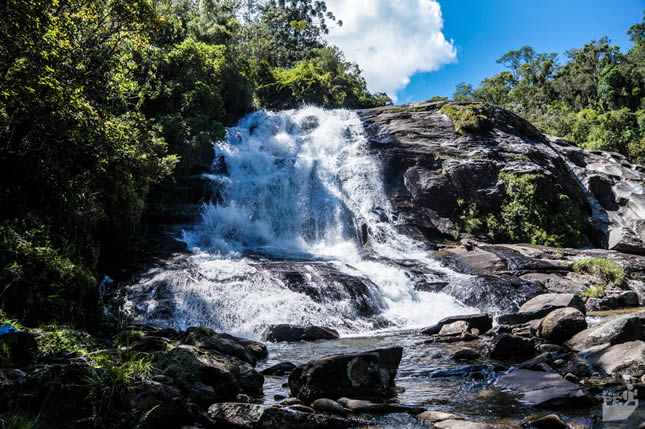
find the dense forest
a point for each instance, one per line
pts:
(595, 99)
(101, 100)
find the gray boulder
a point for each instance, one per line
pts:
(368, 375)
(554, 300)
(562, 324)
(241, 348)
(293, 333)
(619, 359)
(612, 330)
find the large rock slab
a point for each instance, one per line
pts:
(544, 390)
(253, 416)
(294, 333)
(368, 375)
(613, 330)
(554, 301)
(562, 324)
(620, 359)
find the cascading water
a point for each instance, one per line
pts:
(297, 193)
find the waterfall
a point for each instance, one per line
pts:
(297, 194)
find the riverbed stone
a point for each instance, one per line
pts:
(279, 369)
(481, 321)
(294, 333)
(554, 300)
(367, 375)
(620, 359)
(562, 324)
(462, 424)
(253, 416)
(612, 330)
(241, 348)
(363, 406)
(511, 347)
(327, 405)
(454, 328)
(436, 416)
(544, 390)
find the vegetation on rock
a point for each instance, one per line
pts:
(524, 216)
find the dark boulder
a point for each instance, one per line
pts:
(368, 375)
(293, 333)
(253, 416)
(279, 369)
(18, 347)
(511, 347)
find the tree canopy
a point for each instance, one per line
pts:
(596, 98)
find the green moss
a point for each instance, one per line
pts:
(467, 118)
(609, 271)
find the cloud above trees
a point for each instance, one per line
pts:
(391, 40)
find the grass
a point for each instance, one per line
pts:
(608, 270)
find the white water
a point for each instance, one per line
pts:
(299, 193)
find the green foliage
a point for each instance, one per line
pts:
(39, 284)
(595, 98)
(526, 217)
(57, 338)
(594, 292)
(324, 79)
(467, 118)
(17, 421)
(608, 270)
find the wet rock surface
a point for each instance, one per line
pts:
(368, 375)
(290, 333)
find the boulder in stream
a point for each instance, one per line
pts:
(544, 389)
(367, 375)
(294, 333)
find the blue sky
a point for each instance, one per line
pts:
(483, 30)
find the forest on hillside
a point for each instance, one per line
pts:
(595, 97)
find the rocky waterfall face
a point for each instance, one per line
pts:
(299, 230)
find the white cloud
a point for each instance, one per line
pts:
(391, 39)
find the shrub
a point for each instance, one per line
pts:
(594, 292)
(609, 271)
(467, 119)
(523, 217)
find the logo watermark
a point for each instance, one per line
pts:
(617, 406)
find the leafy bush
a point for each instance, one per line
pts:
(608, 270)
(594, 292)
(40, 285)
(523, 217)
(467, 119)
